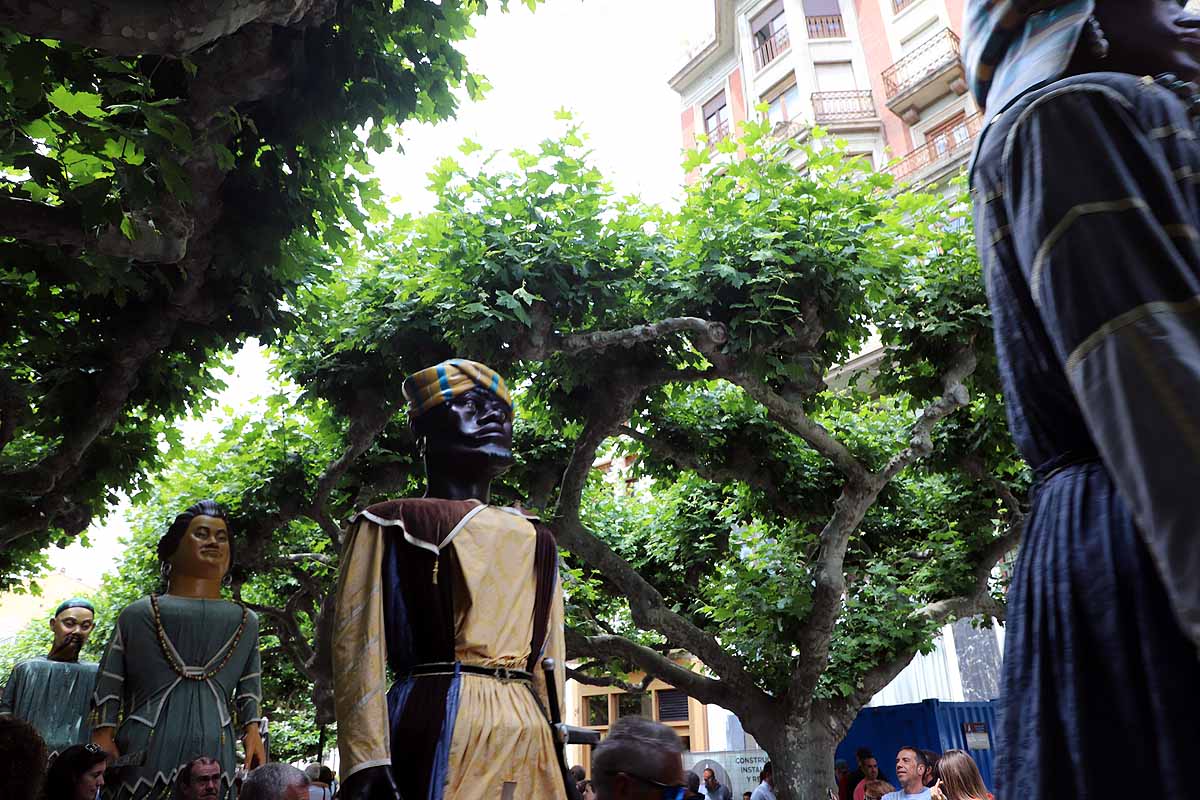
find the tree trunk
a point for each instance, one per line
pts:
(801, 749)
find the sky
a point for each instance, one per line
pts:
(606, 61)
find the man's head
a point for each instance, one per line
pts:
(637, 760)
(870, 768)
(199, 779)
(876, 789)
(840, 768)
(911, 769)
(767, 774)
(578, 774)
(862, 754)
(22, 760)
(1011, 46)
(275, 782)
(71, 624)
(693, 782)
(747, 795)
(710, 779)
(462, 412)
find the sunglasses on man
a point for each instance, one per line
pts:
(669, 791)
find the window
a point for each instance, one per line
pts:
(835, 76)
(597, 709)
(635, 705)
(783, 101)
(949, 135)
(672, 705)
(927, 31)
(769, 31)
(716, 119)
(824, 19)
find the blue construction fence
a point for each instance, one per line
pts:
(931, 725)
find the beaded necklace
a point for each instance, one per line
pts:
(181, 669)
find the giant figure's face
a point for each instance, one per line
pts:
(1147, 37)
(474, 425)
(203, 552)
(71, 629)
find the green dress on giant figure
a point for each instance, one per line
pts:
(54, 693)
(181, 677)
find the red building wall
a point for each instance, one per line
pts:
(879, 57)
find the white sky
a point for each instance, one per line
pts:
(607, 61)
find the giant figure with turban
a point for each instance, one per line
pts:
(54, 692)
(460, 600)
(1086, 186)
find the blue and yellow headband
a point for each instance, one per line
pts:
(433, 386)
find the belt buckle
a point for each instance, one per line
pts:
(504, 675)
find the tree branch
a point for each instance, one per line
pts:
(954, 396)
(579, 676)
(701, 687)
(739, 471)
(542, 343)
(133, 27)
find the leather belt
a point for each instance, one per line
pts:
(502, 674)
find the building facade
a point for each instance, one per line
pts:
(885, 75)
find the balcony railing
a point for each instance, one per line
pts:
(833, 107)
(900, 5)
(829, 26)
(945, 147)
(935, 55)
(770, 48)
(718, 135)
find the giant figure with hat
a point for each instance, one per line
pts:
(54, 692)
(182, 674)
(460, 600)
(1086, 185)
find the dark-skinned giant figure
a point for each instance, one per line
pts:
(1087, 210)
(461, 600)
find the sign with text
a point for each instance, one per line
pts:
(737, 769)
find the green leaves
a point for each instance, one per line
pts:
(85, 103)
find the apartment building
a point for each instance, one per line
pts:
(884, 75)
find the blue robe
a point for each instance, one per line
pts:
(53, 696)
(1086, 207)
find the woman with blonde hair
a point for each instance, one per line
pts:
(959, 778)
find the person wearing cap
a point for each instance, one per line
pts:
(1085, 184)
(461, 600)
(53, 692)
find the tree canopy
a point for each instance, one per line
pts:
(171, 175)
(795, 364)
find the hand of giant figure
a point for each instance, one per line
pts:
(461, 600)
(180, 666)
(53, 693)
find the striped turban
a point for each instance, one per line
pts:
(433, 386)
(1013, 46)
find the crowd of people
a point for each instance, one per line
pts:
(28, 772)
(640, 754)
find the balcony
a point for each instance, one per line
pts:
(944, 149)
(829, 26)
(924, 76)
(900, 5)
(770, 48)
(718, 135)
(835, 108)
